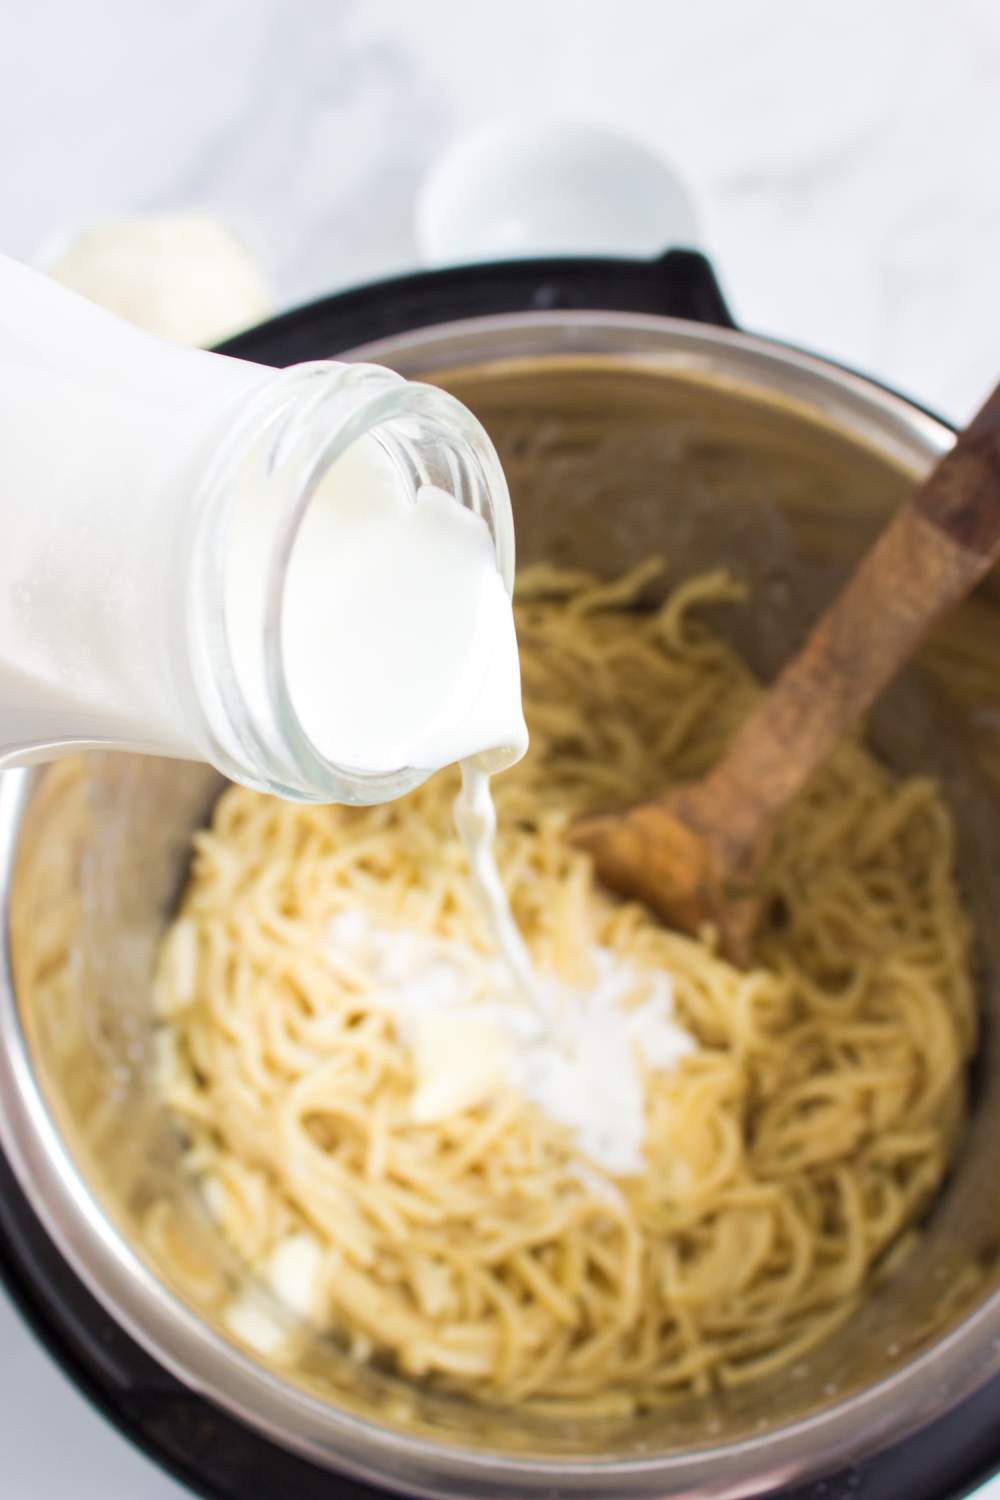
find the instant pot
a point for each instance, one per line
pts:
(631, 416)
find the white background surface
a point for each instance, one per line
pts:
(844, 158)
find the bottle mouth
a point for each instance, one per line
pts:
(259, 489)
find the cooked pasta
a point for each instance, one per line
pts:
(787, 1156)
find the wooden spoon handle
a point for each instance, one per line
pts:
(942, 541)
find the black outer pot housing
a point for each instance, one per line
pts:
(200, 1445)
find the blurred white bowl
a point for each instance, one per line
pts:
(551, 187)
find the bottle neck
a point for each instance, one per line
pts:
(292, 448)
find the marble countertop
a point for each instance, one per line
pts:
(843, 160)
(842, 157)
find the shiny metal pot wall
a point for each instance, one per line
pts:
(621, 436)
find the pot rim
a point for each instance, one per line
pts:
(955, 1365)
(822, 387)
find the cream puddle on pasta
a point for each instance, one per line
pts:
(636, 1173)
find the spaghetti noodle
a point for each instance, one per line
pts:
(786, 1157)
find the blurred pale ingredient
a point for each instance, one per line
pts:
(183, 276)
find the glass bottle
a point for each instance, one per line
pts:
(150, 497)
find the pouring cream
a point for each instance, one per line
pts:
(303, 577)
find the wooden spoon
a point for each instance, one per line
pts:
(694, 854)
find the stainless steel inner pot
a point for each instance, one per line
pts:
(621, 435)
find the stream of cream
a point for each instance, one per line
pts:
(400, 650)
